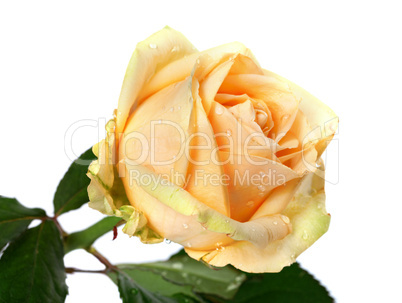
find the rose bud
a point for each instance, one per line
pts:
(211, 151)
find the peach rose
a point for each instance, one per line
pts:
(211, 151)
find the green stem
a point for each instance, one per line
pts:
(109, 266)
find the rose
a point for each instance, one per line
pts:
(211, 151)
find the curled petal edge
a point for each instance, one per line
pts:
(309, 221)
(106, 191)
(260, 232)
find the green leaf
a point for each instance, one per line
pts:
(72, 193)
(292, 284)
(32, 269)
(132, 292)
(85, 238)
(155, 283)
(181, 275)
(183, 270)
(15, 218)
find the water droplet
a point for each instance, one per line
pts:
(232, 286)
(261, 187)
(275, 222)
(167, 241)
(293, 256)
(285, 118)
(171, 109)
(250, 203)
(188, 244)
(134, 291)
(229, 132)
(240, 264)
(218, 110)
(319, 206)
(226, 221)
(152, 45)
(285, 219)
(185, 225)
(305, 235)
(159, 121)
(197, 61)
(177, 265)
(179, 107)
(110, 126)
(239, 278)
(175, 48)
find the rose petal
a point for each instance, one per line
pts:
(309, 222)
(323, 121)
(149, 56)
(276, 93)
(251, 179)
(203, 168)
(260, 232)
(238, 136)
(156, 133)
(178, 70)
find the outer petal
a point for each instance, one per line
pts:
(106, 191)
(156, 133)
(149, 56)
(323, 121)
(309, 222)
(259, 232)
(180, 69)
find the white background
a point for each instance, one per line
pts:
(62, 62)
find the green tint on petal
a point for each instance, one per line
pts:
(107, 194)
(259, 232)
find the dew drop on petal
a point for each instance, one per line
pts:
(185, 225)
(175, 48)
(305, 235)
(250, 203)
(152, 45)
(229, 132)
(275, 222)
(261, 187)
(171, 109)
(167, 241)
(219, 110)
(285, 219)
